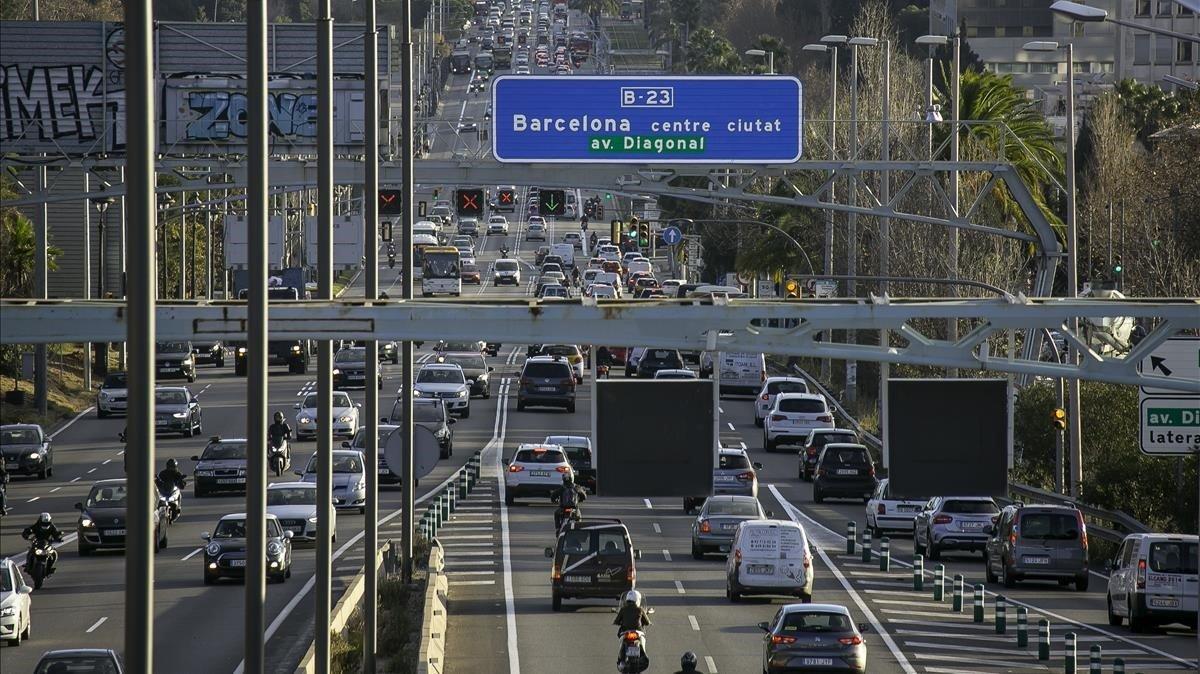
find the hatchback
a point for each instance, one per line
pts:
(813, 638)
(1038, 542)
(953, 523)
(816, 441)
(653, 360)
(349, 479)
(714, 526)
(844, 471)
(793, 417)
(886, 511)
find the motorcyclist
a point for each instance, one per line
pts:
(279, 431)
(632, 616)
(687, 663)
(3, 489)
(43, 530)
(591, 239)
(503, 251)
(568, 497)
(170, 476)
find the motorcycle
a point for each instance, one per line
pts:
(566, 512)
(503, 252)
(633, 658)
(38, 561)
(279, 458)
(170, 496)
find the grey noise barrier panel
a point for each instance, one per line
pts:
(948, 437)
(654, 438)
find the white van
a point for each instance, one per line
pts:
(769, 557)
(564, 250)
(425, 227)
(1153, 581)
(740, 372)
(638, 265)
(608, 278)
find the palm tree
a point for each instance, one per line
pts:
(594, 8)
(709, 53)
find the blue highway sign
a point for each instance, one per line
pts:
(603, 119)
(672, 236)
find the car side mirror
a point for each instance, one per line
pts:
(491, 369)
(764, 626)
(637, 553)
(205, 537)
(451, 421)
(78, 506)
(770, 513)
(864, 627)
(1111, 565)
(383, 420)
(346, 443)
(549, 552)
(757, 466)
(195, 458)
(358, 405)
(288, 534)
(298, 472)
(25, 589)
(296, 406)
(650, 610)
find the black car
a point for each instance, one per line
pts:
(221, 467)
(430, 413)
(175, 359)
(176, 410)
(225, 550)
(844, 470)
(26, 450)
(547, 381)
(593, 559)
(653, 360)
(817, 439)
(103, 519)
(212, 353)
(296, 354)
(350, 368)
(474, 368)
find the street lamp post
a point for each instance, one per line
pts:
(852, 229)
(1075, 433)
(767, 53)
(101, 348)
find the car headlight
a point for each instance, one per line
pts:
(103, 394)
(336, 371)
(8, 611)
(34, 456)
(213, 549)
(241, 350)
(360, 485)
(180, 415)
(296, 348)
(86, 523)
(305, 420)
(312, 520)
(417, 393)
(274, 549)
(345, 418)
(462, 394)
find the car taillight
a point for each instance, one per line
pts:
(780, 639)
(737, 555)
(825, 417)
(1141, 575)
(778, 417)
(631, 574)
(631, 636)
(515, 468)
(563, 469)
(881, 509)
(1012, 538)
(705, 527)
(943, 519)
(807, 560)
(746, 477)
(850, 641)
(871, 471)
(1082, 532)
(555, 574)
(766, 396)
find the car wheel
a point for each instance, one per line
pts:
(767, 444)
(362, 510)
(288, 573)
(1081, 582)
(1006, 576)
(44, 473)
(931, 546)
(556, 601)
(209, 580)
(1113, 619)
(84, 551)
(466, 413)
(987, 570)
(197, 492)
(732, 594)
(758, 421)
(28, 630)
(918, 548)
(1136, 622)
(697, 551)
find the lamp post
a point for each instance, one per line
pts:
(1190, 85)
(852, 229)
(1086, 14)
(1075, 430)
(761, 53)
(100, 365)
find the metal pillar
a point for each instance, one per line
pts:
(885, 250)
(41, 267)
(87, 277)
(371, 292)
(406, 222)
(141, 206)
(256, 334)
(952, 325)
(852, 228)
(826, 365)
(325, 195)
(182, 246)
(1074, 423)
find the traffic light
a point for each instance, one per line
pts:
(791, 288)
(422, 208)
(1118, 267)
(436, 192)
(644, 235)
(1058, 419)
(552, 202)
(469, 202)
(389, 202)
(608, 196)
(614, 231)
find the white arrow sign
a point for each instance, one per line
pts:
(1177, 358)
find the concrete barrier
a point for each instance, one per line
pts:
(432, 654)
(337, 620)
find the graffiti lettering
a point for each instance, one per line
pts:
(65, 106)
(221, 115)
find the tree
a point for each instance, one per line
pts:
(594, 8)
(775, 46)
(1151, 109)
(19, 243)
(709, 53)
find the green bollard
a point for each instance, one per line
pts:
(478, 465)
(1022, 627)
(851, 534)
(957, 603)
(1119, 666)
(939, 582)
(1001, 615)
(866, 547)
(434, 523)
(1095, 663)
(452, 494)
(444, 505)
(462, 484)
(1071, 648)
(1043, 640)
(977, 604)
(885, 554)
(918, 573)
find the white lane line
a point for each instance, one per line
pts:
(55, 489)
(96, 624)
(712, 666)
(467, 545)
(486, 562)
(191, 554)
(67, 425)
(33, 499)
(121, 453)
(667, 555)
(657, 529)
(74, 479)
(497, 444)
(977, 661)
(730, 424)
(469, 553)
(743, 445)
(206, 387)
(458, 529)
(679, 588)
(465, 538)
(91, 471)
(648, 504)
(472, 582)
(470, 573)
(695, 624)
(793, 513)
(105, 462)
(720, 409)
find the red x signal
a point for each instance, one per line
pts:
(506, 196)
(468, 201)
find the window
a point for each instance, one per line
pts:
(804, 405)
(1141, 49)
(1183, 51)
(1164, 49)
(552, 456)
(964, 507)
(787, 387)
(1173, 557)
(1103, 67)
(1043, 68)
(1049, 527)
(1165, 6)
(815, 622)
(1000, 31)
(1126, 553)
(733, 462)
(1143, 8)
(610, 543)
(740, 507)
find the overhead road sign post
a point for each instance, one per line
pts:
(648, 119)
(1169, 420)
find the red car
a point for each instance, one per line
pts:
(470, 274)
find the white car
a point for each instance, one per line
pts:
(885, 512)
(113, 396)
(345, 415)
(294, 504)
(675, 374)
(506, 270)
(602, 291)
(589, 275)
(535, 470)
(671, 285)
(497, 224)
(447, 382)
(1152, 581)
(15, 603)
(772, 387)
(575, 239)
(521, 70)
(792, 417)
(535, 231)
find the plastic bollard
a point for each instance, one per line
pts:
(452, 494)
(463, 487)
(866, 547)
(885, 554)
(1119, 666)
(434, 524)
(1095, 662)
(939, 583)
(1022, 627)
(957, 603)
(851, 534)
(1071, 648)
(918, 573)
(1001, 614)
(977, 604)
(1043, 640)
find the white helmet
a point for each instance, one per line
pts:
(633, 597)
(44, 518)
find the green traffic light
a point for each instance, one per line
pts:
(608, 195)
(1118, 269)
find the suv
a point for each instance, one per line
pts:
(953, 523)
(593, 558)
(546, 381)
(793, 417)
(175, 359)
(1153, 581)
(653, 360)
(844, 470)
(772, 387)
(535, 470)
(446, 382)
(817, 439)
(1037, 542)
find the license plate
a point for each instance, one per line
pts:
(907, 509)
(1035, 560)
(632, 652)
(760, 569)
(231, 480)
(847, 471)
(161, 422)
(972, 525)
(384, 471)
(114, 532)
(579, 579)
(729, 527)
(816, 662)
(1164, 602)
(539, 473)
(167, 369)
(547, 388)
(237, 562)
(296, 530)
(10, 466)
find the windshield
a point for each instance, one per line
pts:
(342, 463)
(6, 581)
(733, 462)
(469, 347)
(77, 664)
(469, 268)
(466, 362)
(19, 436)
(173, 347)
(1049, 526)
(360, 437)
(107, 496)
(551, 267)
(440, 265)
(291, 496)
(116, 380)
(427, 413)
(339, 400)
(970, 507)
(815, 622)
(351, 356)
(738, 507)
(170, 398)
(547, 370)
(440, 375)
(786, 387)
(224, 450)
(802, 405)
(1173, 557)
(506, 265)
(822, 439)
(231, 528)
(662, 356)
(847, 455)
(560, 350)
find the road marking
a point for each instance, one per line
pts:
(55, 489)
(105, 462)
(667, 555)
(472, 582)
(191, 554)
(720, 409)
(464, 538)
(467, 563)
(206, 387)
(976, 661)
(648, 504)
(467, 545)
(470, 573)
(679, 588)
(33, 499)
(91, 471)
(657, 529)
(497, 444)
(695, 624)
(730, 424)
(67, 425)
(470, 553)
(712, 666)
(96, 624)
(74, 479)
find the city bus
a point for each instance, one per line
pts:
(440, 271)
(420, 243)
(460, 62)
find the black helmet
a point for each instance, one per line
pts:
(172, 464)
(383, 295)
(279, 417)
(688, 662)
(568, 479)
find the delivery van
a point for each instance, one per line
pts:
(740, 372)
(769, 557)
(566, 251)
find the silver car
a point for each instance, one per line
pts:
(953, 523)
(295, 505)
(718, 520)
(349, 480)
(734, 475)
